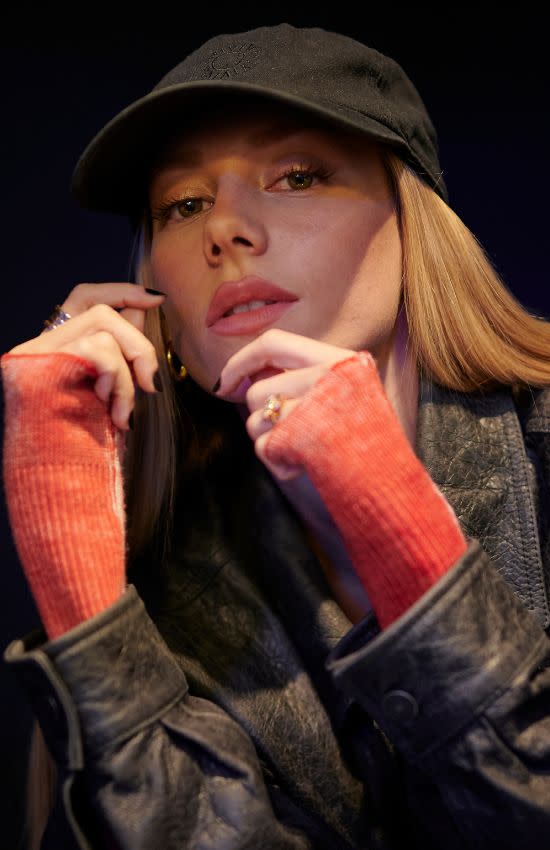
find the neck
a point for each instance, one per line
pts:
(399, 376)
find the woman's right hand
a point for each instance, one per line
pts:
(106, 329)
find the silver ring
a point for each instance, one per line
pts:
(58, 317)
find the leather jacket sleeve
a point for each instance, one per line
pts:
(460, 687)
(143, 763)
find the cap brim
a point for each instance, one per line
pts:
(112, 173)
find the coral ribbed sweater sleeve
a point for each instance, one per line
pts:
(400, 532)
(62, 467)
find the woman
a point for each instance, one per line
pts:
(315, 614)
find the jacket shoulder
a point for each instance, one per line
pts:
(533, 406)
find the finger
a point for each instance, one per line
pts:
(256, 424)
(281, 470)
(134, 316)
(139, 353)
(114, 378)
(104, 385)
(72, 335)
(293, 383)
(239, 393)
(278, 349)
(116, 295)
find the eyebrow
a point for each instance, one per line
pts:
(272, 134)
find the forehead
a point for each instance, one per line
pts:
(259, 123)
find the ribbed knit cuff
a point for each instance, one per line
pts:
(400, 532)
(62, 467)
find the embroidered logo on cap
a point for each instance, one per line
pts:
(233, 60)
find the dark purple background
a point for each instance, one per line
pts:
(484, 84)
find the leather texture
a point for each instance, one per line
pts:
(242, 709)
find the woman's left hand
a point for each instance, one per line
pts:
(276, 362)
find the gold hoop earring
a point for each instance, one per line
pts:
(176, 367)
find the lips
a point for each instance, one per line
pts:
(231, 293)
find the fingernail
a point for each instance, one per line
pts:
(154, 291)
(216, 386)
(157, 381)
(131, 420)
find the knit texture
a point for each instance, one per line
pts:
(63, 483)
(400, 532)
(62, 469)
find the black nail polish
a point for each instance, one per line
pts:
(154, 291)
(216, 386)
(157, 381)
(131, 420)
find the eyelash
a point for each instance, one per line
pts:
(162, 212)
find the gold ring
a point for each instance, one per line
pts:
(272, 408)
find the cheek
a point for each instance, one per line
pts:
(168, 276)
(353, 273)
(166, 264)
(344, 240)
(371, 303)
(175, 276)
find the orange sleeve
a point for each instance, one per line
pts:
(62, 468)
(400, 532)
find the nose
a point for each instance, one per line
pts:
(234, 225)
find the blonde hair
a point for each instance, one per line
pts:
(467, 332)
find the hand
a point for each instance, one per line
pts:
(106, 329)
(284, 363)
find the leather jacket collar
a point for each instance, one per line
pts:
(475, 450)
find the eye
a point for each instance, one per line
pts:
(186, 206)
(305, 174)
(302, 179)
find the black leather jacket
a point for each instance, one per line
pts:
(262, 719)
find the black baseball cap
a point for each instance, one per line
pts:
(325, 74)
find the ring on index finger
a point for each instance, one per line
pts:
(58, 317)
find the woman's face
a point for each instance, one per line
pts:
(329, 236)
